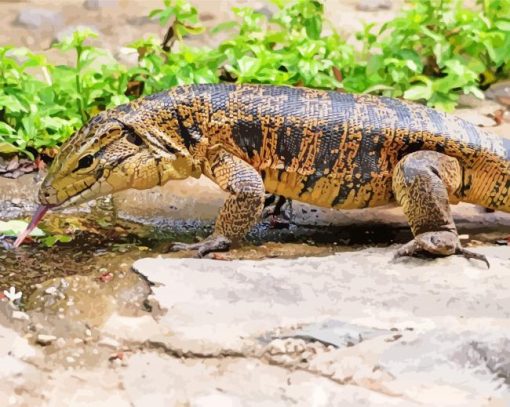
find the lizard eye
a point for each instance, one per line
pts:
(134, 138)
(85, 162)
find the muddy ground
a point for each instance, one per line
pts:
(318, 314)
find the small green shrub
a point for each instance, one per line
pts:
(438, 49)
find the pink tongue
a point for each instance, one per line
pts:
(38, 214)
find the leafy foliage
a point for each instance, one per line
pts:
(438, 49)
(432, 52)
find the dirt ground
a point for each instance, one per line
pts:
(120, 22)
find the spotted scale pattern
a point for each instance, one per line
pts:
(335, 149)
(326, 148)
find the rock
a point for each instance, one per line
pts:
(35, 18)
(499, 92)
(19, 315)
(68, 31)
(21, 349)
(19, 378)
(60, 343)
(335, 333)
(140, 20)
(401, 328)
(109, 343)
(153, 379)
(99, 4)
(206, 16)
(131, 329)
(374, 5)
(45, 340)
(267, 11)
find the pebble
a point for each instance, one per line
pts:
(45, 340)
(109, 342)
(60, 342)
(99, 4)
(20, 316)
(35, 18)
(140, 20)
(500, 92)
(374, 5)
(51, 291)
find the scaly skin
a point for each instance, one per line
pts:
(324, 148)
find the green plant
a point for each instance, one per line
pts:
(184, 15)
(432, 52)
(41, 104)
(13, 228)
(438, 49)
(29, 117)
(95, 82)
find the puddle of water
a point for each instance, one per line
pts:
(104, 247)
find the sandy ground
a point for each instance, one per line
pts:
(126, 20)
(353, 328)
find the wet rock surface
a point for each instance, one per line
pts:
(347, 329)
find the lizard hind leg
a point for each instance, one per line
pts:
(424, 183)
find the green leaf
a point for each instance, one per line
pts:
(225, 26)
(378, 88)
(247, 65)
(417, 92)
(50, 241)
(5, 129)
(314, 27)
(13, 228)
(503, 25)
(7, 148)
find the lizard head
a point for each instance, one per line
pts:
(107, 155)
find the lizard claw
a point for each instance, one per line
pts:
(209, 245)
(468, 254)
(437, 244)
(409, 249)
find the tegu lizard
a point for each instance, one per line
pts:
(325, 148)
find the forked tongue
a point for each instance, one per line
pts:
(38, 215)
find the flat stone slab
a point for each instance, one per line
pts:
(421, 331)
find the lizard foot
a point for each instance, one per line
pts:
(443, 243)
(206, 246)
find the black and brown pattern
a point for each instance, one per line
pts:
(325, 148)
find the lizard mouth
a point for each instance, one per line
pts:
(44, 207)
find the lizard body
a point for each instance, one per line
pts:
(324, 148)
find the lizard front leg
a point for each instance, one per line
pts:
(241, 210)
(424, 182)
